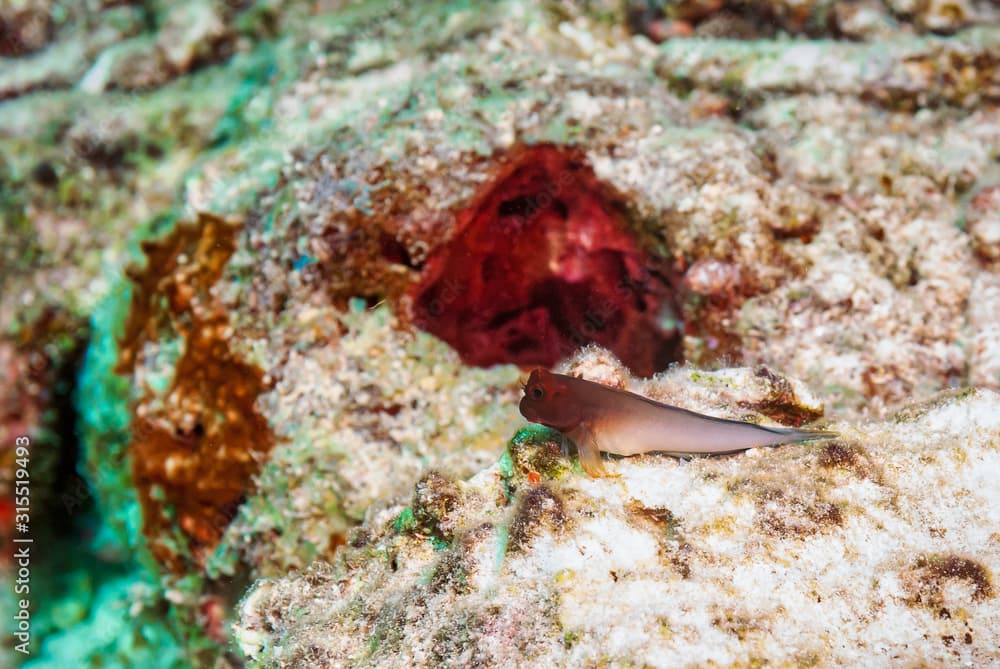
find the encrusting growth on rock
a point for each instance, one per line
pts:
(197, 438)
(543, 262)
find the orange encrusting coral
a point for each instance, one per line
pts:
(191, 475)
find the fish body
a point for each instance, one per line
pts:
(599, 418)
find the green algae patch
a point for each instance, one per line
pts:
(506, 465)
(533, 434)
(405, 522)
(710, 378)
(502, 540)
(539, 450)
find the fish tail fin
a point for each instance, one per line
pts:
(794, 434)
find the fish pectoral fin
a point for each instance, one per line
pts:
(590, 454)
(590, 460)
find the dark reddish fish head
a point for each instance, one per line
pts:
(548, 400)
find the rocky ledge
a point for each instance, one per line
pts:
(880, 546)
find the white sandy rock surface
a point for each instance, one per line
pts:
(881, 548)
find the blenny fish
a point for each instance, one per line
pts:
(600, 418)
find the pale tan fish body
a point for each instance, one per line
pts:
(599, 418)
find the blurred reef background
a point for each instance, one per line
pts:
(271, 271)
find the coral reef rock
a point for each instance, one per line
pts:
(344, 217)
(880, 547)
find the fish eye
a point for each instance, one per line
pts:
(537, 392)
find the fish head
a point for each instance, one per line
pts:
(548, 400)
